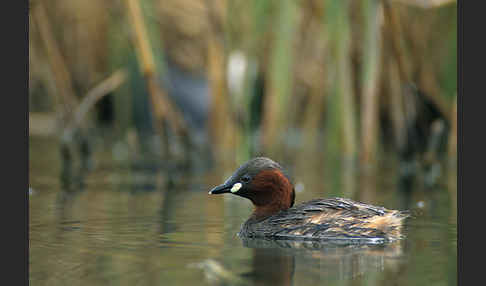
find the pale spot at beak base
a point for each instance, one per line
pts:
(236, 187)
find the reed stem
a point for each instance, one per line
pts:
(339, 30)
(222, 129)
(65, 98)
(161, 105)
(453, 132)
(280, 76)
(370, 78)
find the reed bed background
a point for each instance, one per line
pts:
(232, 79)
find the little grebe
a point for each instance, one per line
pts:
(265, 183)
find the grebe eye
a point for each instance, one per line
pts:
(245, 179)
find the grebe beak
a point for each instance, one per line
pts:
(226, 188)
(221, 189)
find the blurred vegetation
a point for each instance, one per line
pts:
(231, 79)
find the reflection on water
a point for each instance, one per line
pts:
(276, 262)
(272, 267)
(141, 224)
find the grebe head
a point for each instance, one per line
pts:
(262, 181)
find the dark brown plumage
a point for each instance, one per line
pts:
(264, 182)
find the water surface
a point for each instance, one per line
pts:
(140, 224)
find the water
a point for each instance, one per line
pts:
(135, 226)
